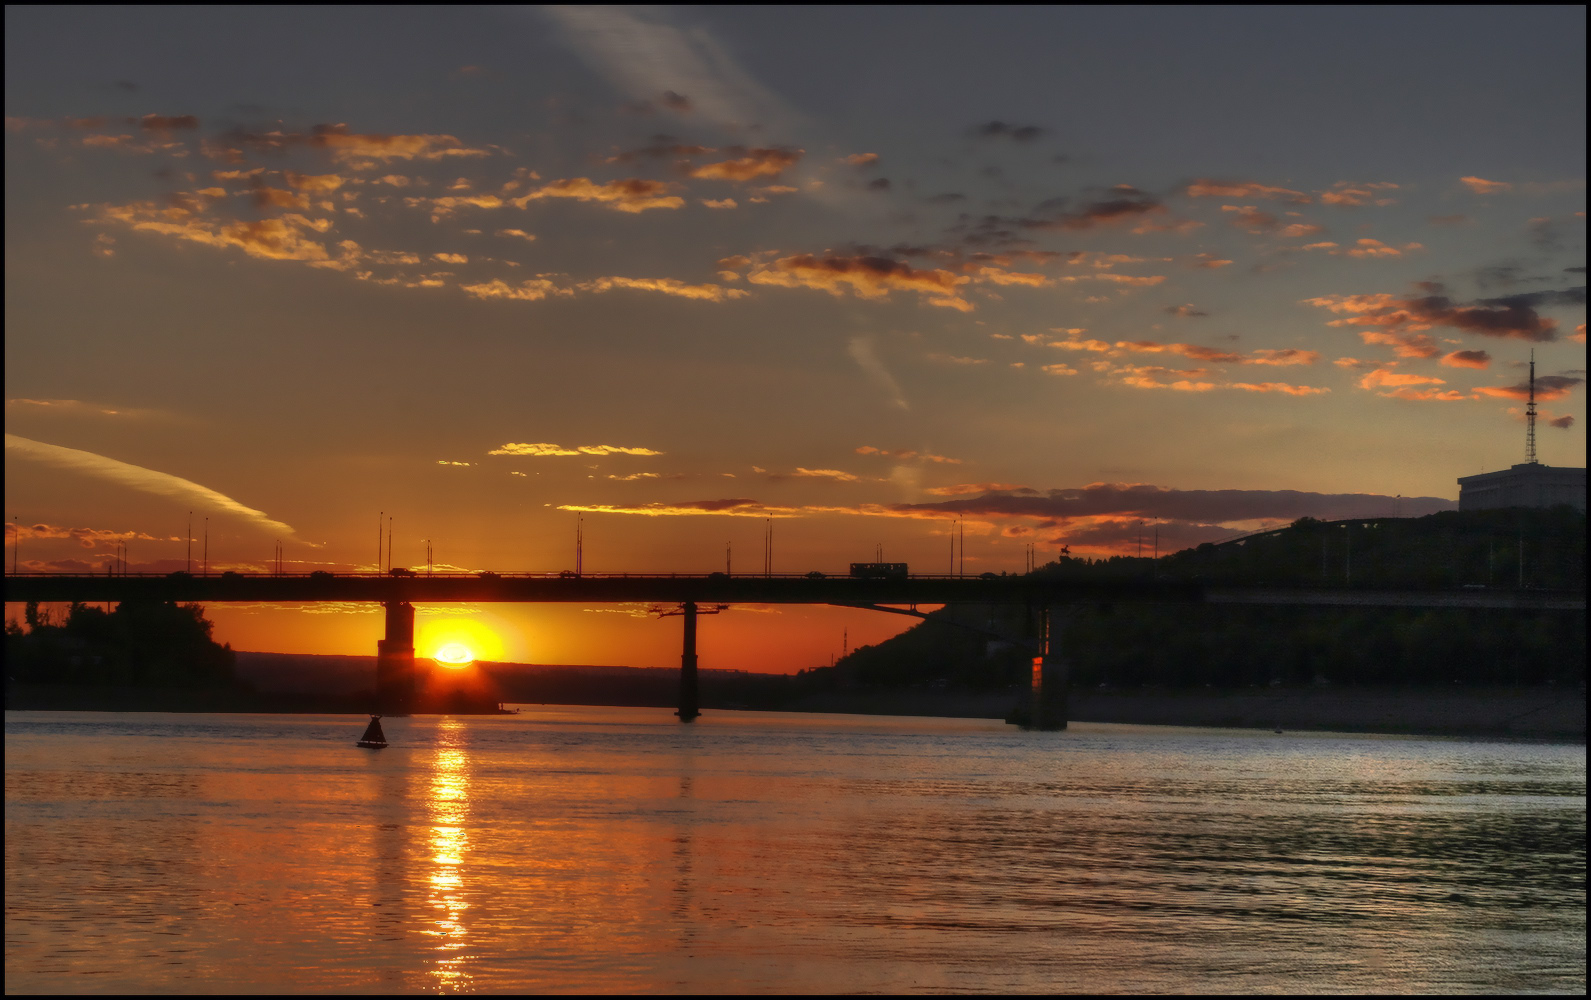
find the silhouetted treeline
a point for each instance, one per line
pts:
(155, 644)
(1130, 645)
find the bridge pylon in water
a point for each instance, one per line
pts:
(395, 680)
(1047, 705)
(689, 705)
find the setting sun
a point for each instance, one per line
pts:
(456, 642)
(455, 654)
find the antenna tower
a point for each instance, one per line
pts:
(1530, 415)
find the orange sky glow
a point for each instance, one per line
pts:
(688, 276)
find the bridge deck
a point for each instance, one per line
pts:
(718, 588)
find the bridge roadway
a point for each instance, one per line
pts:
(395, 660)
(718, 588)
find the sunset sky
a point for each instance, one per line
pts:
(1072, 274)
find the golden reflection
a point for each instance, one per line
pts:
(450, 842)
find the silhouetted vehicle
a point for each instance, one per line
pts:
(879, 571)
(231, 575)
(320, 574)
(815, 575)
(988, 576)
(717, 576)
(179, 575)
(568, 574)
(400, 571)
(488, 576)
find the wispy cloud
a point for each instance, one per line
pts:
(642, 57)
(862, 352)
(141, 479)
(546, 450)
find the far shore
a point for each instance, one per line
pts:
(1548, 713)
(1542, 713)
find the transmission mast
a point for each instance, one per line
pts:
(1530, 415)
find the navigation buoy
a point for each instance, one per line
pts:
(374, 738)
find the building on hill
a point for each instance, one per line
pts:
(1529, 484)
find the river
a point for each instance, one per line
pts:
(568, 849)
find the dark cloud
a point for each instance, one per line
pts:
(1562, 423)
(946, 198)
(1125, 203)
(1007, 130)
(1546, 234)
(1203, 506)
(659, 147)
(1468, 359)
(1510, 316)
(879, 184)
(1188, 311)
(1548, 387)
(164, 123)
(126, 85)
(1122, 204)
(676, 102)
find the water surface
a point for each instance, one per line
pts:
(615, 850)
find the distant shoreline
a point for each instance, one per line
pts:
(1542, 713)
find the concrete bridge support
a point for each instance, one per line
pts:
(395, 680)
(689, 706)
(1049, 694)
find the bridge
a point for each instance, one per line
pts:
(399, 592)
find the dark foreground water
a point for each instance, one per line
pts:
(591, 849)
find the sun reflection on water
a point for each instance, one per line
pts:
(450, 842)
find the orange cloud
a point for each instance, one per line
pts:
(1480, 185)
(1353, 195)
(966, 489)
(445, 206)
(553, 450)
(1426, 395)
(1468, 359)
(1283, 387)
(1205, 188)
(1384, 377)
(530, 290)
(861, 159)
(1003, 277)
(907, 456)
(1404, 345)
(755, 163)
(666, 286)
(865, 276)
(633, 195)
(1283, 356)
(318, 183)
(1376, 248)
(1251, 219)
(269, 239)
(1299, 230)
(732, 507)
(359, 151)
(1278, 357)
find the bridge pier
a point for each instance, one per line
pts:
(395, 680)
(1049, 694)
(688, 704)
